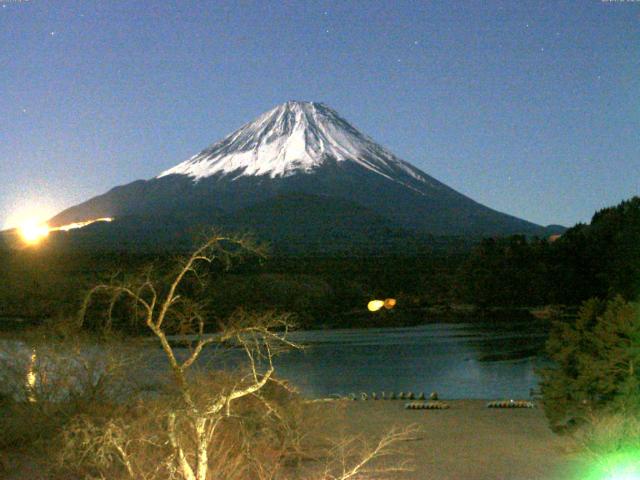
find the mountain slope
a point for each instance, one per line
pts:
(291, 138)
(300, 150)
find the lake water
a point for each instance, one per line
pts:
(458, 360)
(461, 360)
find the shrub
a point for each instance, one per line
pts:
(596, 363)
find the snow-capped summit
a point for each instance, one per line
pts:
(299, 174)
(292, 137)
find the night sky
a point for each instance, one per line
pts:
(531, 108)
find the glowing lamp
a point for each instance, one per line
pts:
(375, 305)
(627, 470)
(624, 465)
(389, 303)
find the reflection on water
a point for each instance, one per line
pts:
(456, 360)
(479, 360)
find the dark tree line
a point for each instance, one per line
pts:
(601, 259)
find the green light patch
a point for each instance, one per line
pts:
(618, 466)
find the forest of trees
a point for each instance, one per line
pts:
(600, 259)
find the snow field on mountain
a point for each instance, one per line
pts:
(291, 138)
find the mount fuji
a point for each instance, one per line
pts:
(299, 173)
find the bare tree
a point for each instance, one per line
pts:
(192, 422)
(261, 337)
(354, 457)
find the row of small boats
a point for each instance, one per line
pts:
(392, 396)
(420, 402)
(430, 405)
(438, 405)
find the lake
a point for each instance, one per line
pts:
(480, 360)
(458, 360)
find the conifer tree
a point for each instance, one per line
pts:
(596, 363)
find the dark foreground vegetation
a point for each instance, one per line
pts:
(80, 399)
(510, 274)
(592, 389)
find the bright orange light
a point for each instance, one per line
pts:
(33, 232)
(389, 303)
(73, 226)
(375, 305)
(31, 377)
